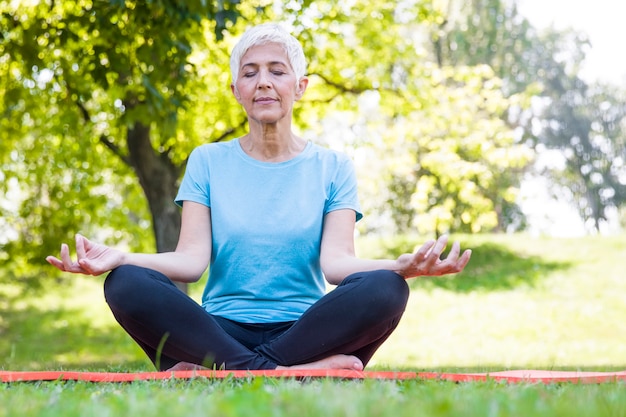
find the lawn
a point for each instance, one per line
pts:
(272, 398)
(523, 302)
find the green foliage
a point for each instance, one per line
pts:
(581, 121)
(58, 180)
(71, 102)
(77, 78)
(431, 133)
(491, 32)
(434, 152)
(462, 164)
(580, 125)
(146, 69)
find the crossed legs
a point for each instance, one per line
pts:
(342, 330)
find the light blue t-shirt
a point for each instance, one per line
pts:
(267, 223)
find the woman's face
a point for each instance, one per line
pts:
(266, 84)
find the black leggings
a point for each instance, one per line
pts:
(355, 318)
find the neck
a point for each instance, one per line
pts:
(269, 144)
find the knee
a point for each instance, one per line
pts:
(391, 287)
(117, 282)
(385, 291)
(126, 282)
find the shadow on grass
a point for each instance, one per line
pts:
(59, 338)
(492, 267)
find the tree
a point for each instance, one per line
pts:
(103, 102)
(437, 155)
(87, 77)
(494, 33)
(586, 124)
(582, 121)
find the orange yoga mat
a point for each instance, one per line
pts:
(514, 376)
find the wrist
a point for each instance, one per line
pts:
(399, 267)
(124, 258)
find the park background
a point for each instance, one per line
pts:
(477, 118)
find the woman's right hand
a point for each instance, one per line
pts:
(91, 258)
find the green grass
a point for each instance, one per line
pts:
(523, 302)
(268, 397)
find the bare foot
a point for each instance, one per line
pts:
(186, 366)
(332, 362)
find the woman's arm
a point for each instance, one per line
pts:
(186, 264)
(338, 258)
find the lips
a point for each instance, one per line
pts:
(265, 100)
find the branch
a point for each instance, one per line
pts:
(230, 131)
(323, 101)
(81, 106)
(341, 87)
(103, 139)
(115, 149)
(351, 90)
(227, 133)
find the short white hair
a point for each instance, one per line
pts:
(264, 34)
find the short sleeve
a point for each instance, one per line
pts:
(195, 185)
(343, 193)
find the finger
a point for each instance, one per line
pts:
(454, 265)
(86, 266)
(424, 250)
(65, 256)
(56, 262)
(464, 259)
(453, 255)
(68, 264)
(435, 254)
(80, 247)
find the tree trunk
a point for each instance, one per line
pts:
(158, 177)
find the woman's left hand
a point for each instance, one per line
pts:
(426, 261)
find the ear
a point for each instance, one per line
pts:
(235, 92)
(301, 87)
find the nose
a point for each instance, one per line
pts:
(263, 80)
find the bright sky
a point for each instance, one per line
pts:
(602, 20)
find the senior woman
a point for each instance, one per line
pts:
(274, 216)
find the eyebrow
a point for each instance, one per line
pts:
(271, 63)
